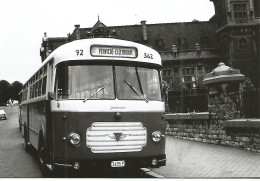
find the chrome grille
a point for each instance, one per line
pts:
(111, 137)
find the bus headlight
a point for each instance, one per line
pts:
(154, 162)
(74, 139)
(156, 136)
(76, 165)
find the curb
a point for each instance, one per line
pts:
(150, 173)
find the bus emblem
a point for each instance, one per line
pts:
(117, 136)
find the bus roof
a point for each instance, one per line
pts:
(105, 48)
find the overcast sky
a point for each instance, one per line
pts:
(23, 23)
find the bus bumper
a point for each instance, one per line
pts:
(146, 162)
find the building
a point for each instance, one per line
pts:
(190, 50)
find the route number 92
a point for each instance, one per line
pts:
(79, 52)
(148, 55)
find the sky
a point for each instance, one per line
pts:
(23, 23)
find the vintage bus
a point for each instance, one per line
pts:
(96, 102)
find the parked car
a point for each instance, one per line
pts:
(2, 114)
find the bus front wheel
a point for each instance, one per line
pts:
(42, 160)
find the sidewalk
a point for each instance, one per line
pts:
(186, 159)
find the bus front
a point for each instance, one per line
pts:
(109, 111)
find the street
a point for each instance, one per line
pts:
(190, 159)
(185, 159)
(15, 162)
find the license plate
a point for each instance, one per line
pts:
(120, 163)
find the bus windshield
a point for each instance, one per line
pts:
(107, 82)
(137, 83)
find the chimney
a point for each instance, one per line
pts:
(77, 32)
(144, 30)
(197, 49)
(174, 50)
(45, 38)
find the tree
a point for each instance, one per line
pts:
(4, 92)
(15, 88)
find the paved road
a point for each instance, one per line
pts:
(14, 161)
(186, 159)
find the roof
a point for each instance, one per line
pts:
(98, 24)
(169, 33)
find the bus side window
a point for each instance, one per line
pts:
(36, 89)
(31, 92)
(40, 88)
(44, 81)
(33, 87)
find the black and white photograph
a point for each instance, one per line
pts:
(134, 89)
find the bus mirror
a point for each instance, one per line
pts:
(51, 96)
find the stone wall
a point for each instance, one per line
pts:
(213, 131)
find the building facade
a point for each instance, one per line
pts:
(190, 50)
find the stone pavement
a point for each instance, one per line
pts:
(190, 159)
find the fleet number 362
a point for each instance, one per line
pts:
(148, 55)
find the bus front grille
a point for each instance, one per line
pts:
(111, 137)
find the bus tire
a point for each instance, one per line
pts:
(42, 158)
(26, 146)
(41, 155)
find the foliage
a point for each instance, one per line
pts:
(15, 88)
(4, 92)
(9, 91)
(248, 85)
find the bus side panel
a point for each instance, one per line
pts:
(24, 116)
(48, 138)
(37, 121)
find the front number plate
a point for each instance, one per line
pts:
(120, 163)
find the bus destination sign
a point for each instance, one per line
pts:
(113, 51)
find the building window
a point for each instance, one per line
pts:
(182, 43)
(240, 13)
(167, 76)
(243, 43)
(189, 78)
(257, 8)
(189, 99)
(204, 41)
(159, 42)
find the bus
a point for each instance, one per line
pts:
(96, 102)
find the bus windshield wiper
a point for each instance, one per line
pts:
(136, 92)
(100, 89)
